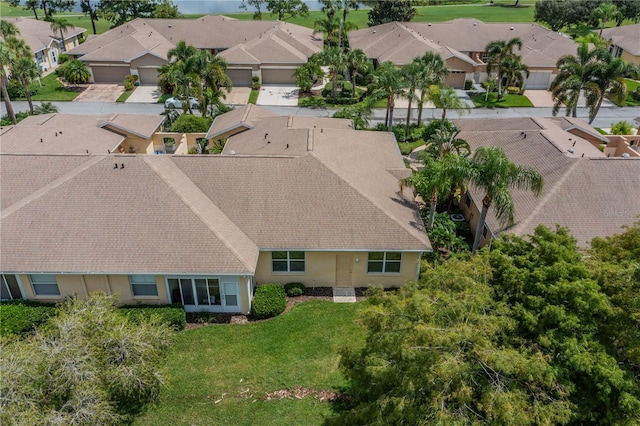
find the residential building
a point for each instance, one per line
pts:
(291, 199)
(44, 43)
(269, 50)
(461, 43)
(624, 42)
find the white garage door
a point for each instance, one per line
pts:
(148, 76)
(538, 80)
(240, 77)
(278, 76)
(109, 74)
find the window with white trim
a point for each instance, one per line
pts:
(44, 285)
(287, 261)
(143, 285)
(384, 262)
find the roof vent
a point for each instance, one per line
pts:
(429, 24)
(232, 152)
(511, 28)
(625, 155)
(571, 150)
(374, 31)
(170, 26)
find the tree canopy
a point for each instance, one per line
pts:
(391, 10)
(530, 332)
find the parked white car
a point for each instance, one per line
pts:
(174, 102)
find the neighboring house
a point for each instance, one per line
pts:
(270, 50)
(624, 42)
(291, 199)
(44, 43)
(461, 44)
(585, 190)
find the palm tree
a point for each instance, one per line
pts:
(609, 76)
(512, 70)
(387, 82)
(60, 24)
(26, 71)
(329, 26)
(358, 113)
(446, 98)
(497, 50)
(357, 60)
(445, 141)
(76, 72)
(8, 31)
(496, 174)
(210, 101)
(336, 60)
(182, 52)
(433, 70)
(185, 81)
(604, 13)
(574, 77)
(409, 73)
(213, 70)
(45, 108)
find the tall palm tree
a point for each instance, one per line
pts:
(496, 174)
(446, 99)
(182, 52)
(409, 73)
(336, 60)
(329, 26)
(358, 61)
(210, 101)
(8, 31)
(433, 71)
(213, 70)
(26, 71)
(185, 81)
(387, 82)
(513, 70)
(497, 50)
(60, 24)
(604, 13)
(574, 77)
(609, 76)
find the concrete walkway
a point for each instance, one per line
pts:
(344, 295)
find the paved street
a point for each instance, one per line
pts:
(605, 117)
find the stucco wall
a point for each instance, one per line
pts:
(631, 59)
(320, 270)
(147, 60)
(472, 215)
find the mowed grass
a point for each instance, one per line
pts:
(507, 101)
(51, 90)
(219, 374)
(631, 86)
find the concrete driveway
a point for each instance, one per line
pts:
(238, 96)
(278, 95)
(145, 95)
(100, 93)
(543, 99)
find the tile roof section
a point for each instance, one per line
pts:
(626, 36)
(38, 35)
(244, 117)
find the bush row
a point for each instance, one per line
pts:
(20, 317)
(172, 314)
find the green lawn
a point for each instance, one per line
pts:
(75, 18)
(631, 86)
(52, 90)
(253, 96)
(219, 374)
(507, 101)
(125, 95)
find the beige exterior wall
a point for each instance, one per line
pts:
(630, 58)
(147, 61)
(320, 270)
(619, 145)
(472, 215)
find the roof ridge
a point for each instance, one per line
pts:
(547, 197)
(50, 186)
(202, 206)
(408, 229)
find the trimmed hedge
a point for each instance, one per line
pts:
(294, 289)
(20, 317)
(174, 315)
(269, 300)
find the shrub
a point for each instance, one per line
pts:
(269, 300)
(21, 317)
(189, 123)
(63, 58)
(635, 95)
(621, 128)
(205, 317)
(130, 82)
(16, 90)
(468, 84)
(294, 289)
(431, 128)
(398, 132)
(255, 83)
(513, 90)
(164, 314)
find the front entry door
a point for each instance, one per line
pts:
(344, 271)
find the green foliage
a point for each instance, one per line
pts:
(130, 82)
(448, 234)
(431, 128)
(90, 365)
(255, 83)
(75, 72)
(468, 84)
(621, 128)
(188, 123)
(269, 301)
(205, 317)
(63, 58)
(294, 289)
(21, 317)
(171, 315)
(166, 9)
(19, 117)
(391, 10)
(16, 90)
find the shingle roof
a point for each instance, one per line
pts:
(38, 35)
(269, 41)
(198, 214)
(591, 195)
(626, 36)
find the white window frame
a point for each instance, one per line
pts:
(385, 262)
(43, 279)
(146, 280)
(288, 261)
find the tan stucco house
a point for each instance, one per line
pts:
(461, 43)
(624, 42)
(290, 199)
(270, 50)
(44, 43)
(591, 192)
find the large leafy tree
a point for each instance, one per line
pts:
(120, 11)
(391, 10)
(496, 175)
(552, 13)
(497, 53)
(387, 83)
(49, 7)
(166, 9)
(629, 9)
(90, 8)
(90, 365)
(287, 9)
(256, 4)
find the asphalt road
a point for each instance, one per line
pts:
(605, 117)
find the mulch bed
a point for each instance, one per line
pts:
(311, 293)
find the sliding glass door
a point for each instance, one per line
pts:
(205, 293)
